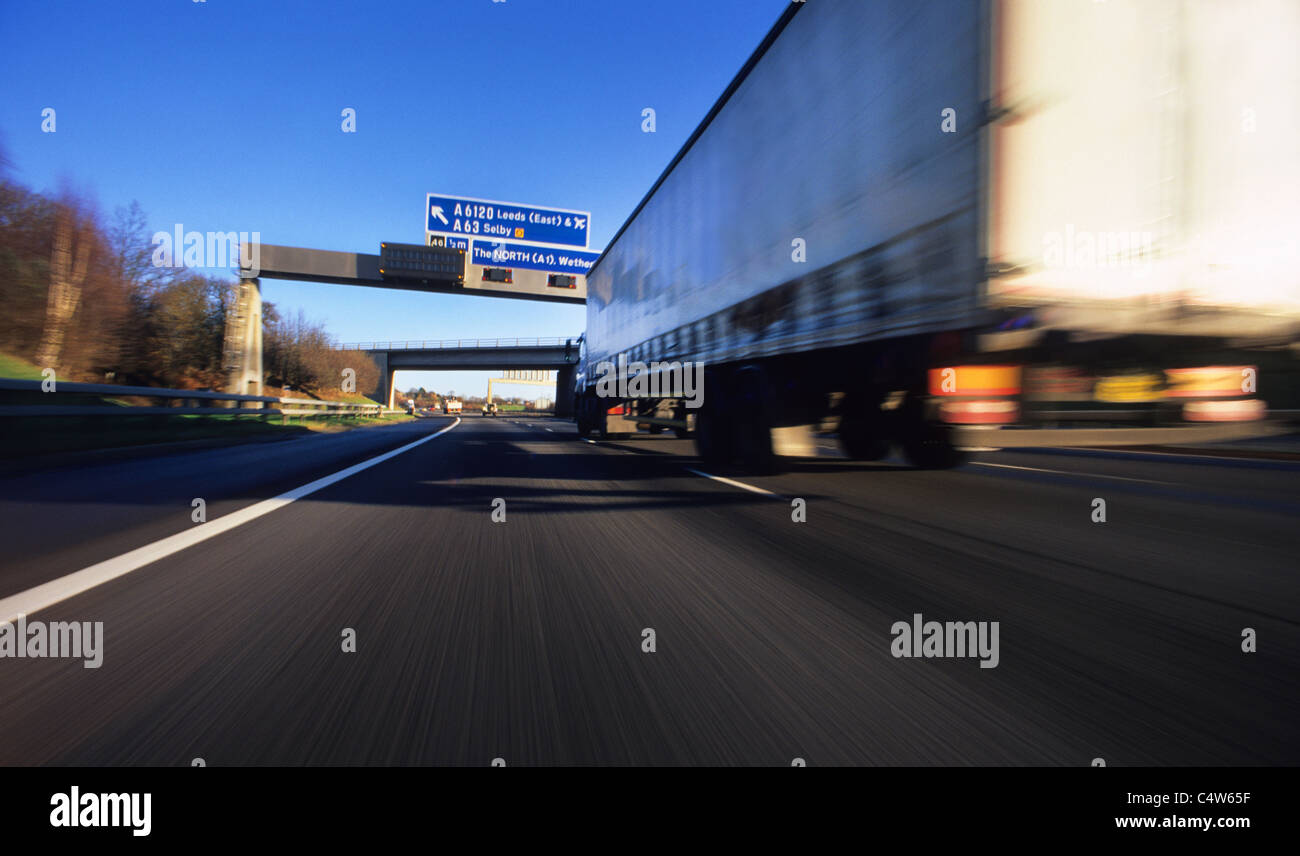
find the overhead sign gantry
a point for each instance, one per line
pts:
(472, 246)
(411, 267)
(513, 247)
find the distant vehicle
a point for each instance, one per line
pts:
(490, 409)
(450, 406)
(410, 407)
(1000, 269)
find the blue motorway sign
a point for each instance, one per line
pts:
(506, 221)
(549, 259)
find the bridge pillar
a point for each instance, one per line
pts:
(243, 345)
(564, 390)
(384, 391)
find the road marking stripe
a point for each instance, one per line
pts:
(734, 483)
(1067, 473)
(1132, 453)
(47, 594)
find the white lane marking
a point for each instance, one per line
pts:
(1126, 453)
(734, 483)
(47, 594)
(586, 440)
(544, 428)
(1067, 473)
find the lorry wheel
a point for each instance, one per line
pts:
(583, 414)
(679, 412)
(754, 409)
(713, 440)
(656, 429)
(864, 429)
(927, 445)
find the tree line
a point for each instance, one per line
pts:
(82, 295)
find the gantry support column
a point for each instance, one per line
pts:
(564, 391)
(243, 346)
(385, 390)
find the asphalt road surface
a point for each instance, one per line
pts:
(523, 639)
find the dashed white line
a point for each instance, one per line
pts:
(47, 594)
(734, 483)
(1068, 473)
(1126, 453)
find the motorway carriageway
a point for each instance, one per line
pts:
(522, 640)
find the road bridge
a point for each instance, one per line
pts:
(558, 354)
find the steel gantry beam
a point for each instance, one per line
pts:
(521, 377)
(271, 261)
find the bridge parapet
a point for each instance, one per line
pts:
(431, 344)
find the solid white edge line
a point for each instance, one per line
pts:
(47, 594)
(734, 483)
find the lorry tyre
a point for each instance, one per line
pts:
(864, 428)
(754, 412)
(713, 440)
(679, 412)
(583, 412)
(926, 444)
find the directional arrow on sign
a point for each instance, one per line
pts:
(436, 211)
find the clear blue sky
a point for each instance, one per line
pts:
(225, 115)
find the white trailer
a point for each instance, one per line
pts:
(955, 224)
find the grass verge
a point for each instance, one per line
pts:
(22, 438)
(13, 367)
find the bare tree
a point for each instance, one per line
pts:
(129, 241)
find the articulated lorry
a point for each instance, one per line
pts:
(955, 225)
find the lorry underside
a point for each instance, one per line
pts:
(936, 397)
